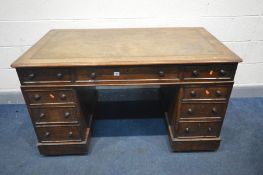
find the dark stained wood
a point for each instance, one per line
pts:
(206, 92)
(203, 110)
(45, 76)
(62, 123)
(192, 144)
(131, 73)
(59, 75)
(87, 98)
(198, 128)
(169, 96)
(57, 133)
(209, 72)
(127, 74)
(190, 130)
(54, 114)
(62, 148)
(53, 96)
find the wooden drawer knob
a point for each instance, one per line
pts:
(93, 75)
(47, 134)
(209, 130)
(70, 134)
(63, 97)
(60, 75)
(42, 115)
(222, 72)
(31, 76)
(214, 110)
(186, 130)
(37, 97)
(195, 73)
(193, 94)
(190, 111)
(161, 73)
(67, 114)
(218, 93)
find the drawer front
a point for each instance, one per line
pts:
(207, 92)
(195, 110)
(58, 133)
(54, 115)
(209, 72)
(49, 96)
(132, 73)
(44, 75)
(201, 129)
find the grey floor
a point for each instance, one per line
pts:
(137, 146)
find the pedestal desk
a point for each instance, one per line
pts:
(59, 75)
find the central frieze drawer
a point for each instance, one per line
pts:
(127, 73)
(62, 114)
(58, 133)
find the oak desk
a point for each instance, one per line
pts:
(194, 70)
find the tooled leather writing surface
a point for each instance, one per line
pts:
(99, 47)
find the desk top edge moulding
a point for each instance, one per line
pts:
(131, 46)
(193, 70)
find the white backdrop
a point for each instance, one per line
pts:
(237, 23)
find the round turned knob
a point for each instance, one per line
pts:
(63, 97)
(67, 114)
(93, 75)
(42, 115)
(70, 134)
(37, 97)
(187, 130)
(214, 110)
(190, 111)
(195, 73)
(209, 130)
(193, 94)
(59, 75)
(47, 134)
(218, 93)
(31, 76)
(161, 73)
(222, 72)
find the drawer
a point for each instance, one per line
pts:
(49, 96)
(207, 92)
(195, 110)
(200, 129)
(45, 115)
(58, 133)
(44, 75)
(131, 73)
(209, 72)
